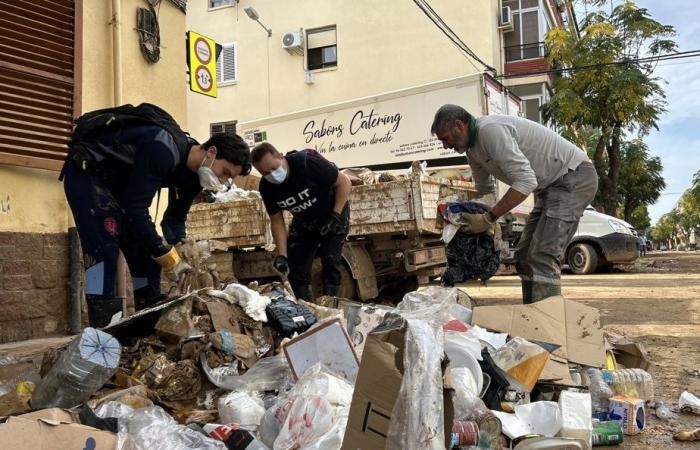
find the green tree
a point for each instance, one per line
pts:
(687, 215)
(609, 97)
(664, 230)
(640, 219)
(641, 178)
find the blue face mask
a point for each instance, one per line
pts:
(277, 176)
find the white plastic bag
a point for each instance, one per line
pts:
(153, 429)
(576, 414)
(267, 374)
(540, 417)
(448, 232)
(433, 304)
(417, 421)
(312, 416)
(241, 408)
(251, 301)
(688, 402)
(113, 409)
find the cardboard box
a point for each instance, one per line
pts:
(572, 325)
(43, 434)
(628, 412)
(377, 389)
(50, 414)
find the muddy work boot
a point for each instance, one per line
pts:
(332, 290)
(526, 286)
(540, 291)
(304, 292)
(101, 310)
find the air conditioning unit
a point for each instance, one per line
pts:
(506, 21)
(293, 42)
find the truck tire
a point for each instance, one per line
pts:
(582, 259)
(347, 282)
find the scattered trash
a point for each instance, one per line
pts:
(662, 411)
(241, 408)
(628, 412)
(631, 383)
(522, 361)
(607, 433)
(688, 435)
(689, 403)
(576, 416)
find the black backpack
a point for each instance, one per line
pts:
(87, 153)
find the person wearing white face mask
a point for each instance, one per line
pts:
(111, 176)
(311, 188)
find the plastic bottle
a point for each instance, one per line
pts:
(600, 393)
(88, 362)
(663, 412)
(630, 382)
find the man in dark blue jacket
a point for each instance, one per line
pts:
(110, 195)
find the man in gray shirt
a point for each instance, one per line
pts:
(530, 158)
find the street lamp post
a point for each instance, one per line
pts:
(253, 14)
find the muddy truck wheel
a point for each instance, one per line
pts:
(582, 259)
(347, 282)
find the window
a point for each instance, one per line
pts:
(321, 48)
(531, 109)
(226, 72)
(530, 24)
(221, 3)
(225, 128)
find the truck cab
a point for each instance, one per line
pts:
(601, 241)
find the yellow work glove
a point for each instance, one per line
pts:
(172, 265)
(476, 223)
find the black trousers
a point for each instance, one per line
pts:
(304, 243)
(102, 231)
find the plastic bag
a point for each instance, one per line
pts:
(576, 415)
(540, 417)
(153, 429)
(113, 409)
(251, 301)
(241, 408)
(448, 232)
(433, 304)
(688, 402)
(417, 421)
(522, 361)
(312, 416)
(268, 374)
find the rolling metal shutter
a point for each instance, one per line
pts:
(37, 80)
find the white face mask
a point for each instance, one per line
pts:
(277, 176)
(208, 179)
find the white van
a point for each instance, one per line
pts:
(601, 241)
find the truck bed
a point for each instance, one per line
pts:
(406, 205)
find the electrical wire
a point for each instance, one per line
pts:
(666, 57)
(434, 17)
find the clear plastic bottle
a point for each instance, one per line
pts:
(630, 382)
(600, 391)
(663, 411)
(89, 361)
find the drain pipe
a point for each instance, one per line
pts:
(118, 100)
(74, 313)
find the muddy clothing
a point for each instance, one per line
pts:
(110, 205)
(549, 228)
(309, 194)
(521, 153)
(531, 158)
(309, 190)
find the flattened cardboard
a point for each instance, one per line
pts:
(556, 371)
(42, 434)
(631, 355)
(222, 318)
(377, 388)
(51, 414)
(327, 343)
(574, 326)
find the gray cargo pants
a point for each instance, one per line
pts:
(549, 228)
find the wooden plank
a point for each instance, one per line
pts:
(65, 34)
(43, 7)
(49, 87)
(31, 54)
(61, 140)
(35, 127)
(21, 35)
(78, 60)
(37, 148)
(22, 60)
(64, 125)
(11, 98)
(28, 161)
(36, 72)
(33, 152)
(21, 91)
(30, 110)
(39, 15)
(62, 6)
(28, 31)
(35, 48)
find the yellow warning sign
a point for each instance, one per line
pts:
(201, 56)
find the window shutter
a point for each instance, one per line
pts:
(216, 128)
(225, 128)
(226, 64)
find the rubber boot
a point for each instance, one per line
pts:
(332, 290)
(526, 286)
(148, 302)
(540, 291)
(304, 292)
(101, 310)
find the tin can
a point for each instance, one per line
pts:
(489, 425)
(466, 433)
(607, 433)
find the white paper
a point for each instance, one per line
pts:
(495, 340)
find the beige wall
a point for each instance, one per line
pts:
(36, 199)
(383, 45)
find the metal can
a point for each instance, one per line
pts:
(465, 433)
(489, 425)
(607, 433)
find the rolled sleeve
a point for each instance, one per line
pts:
(484, 183)
(503, 148)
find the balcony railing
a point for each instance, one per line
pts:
(525, 51)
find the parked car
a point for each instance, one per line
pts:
(601, 241)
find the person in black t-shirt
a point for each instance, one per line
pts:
(311, 188)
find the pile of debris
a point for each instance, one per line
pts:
(250, 367)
